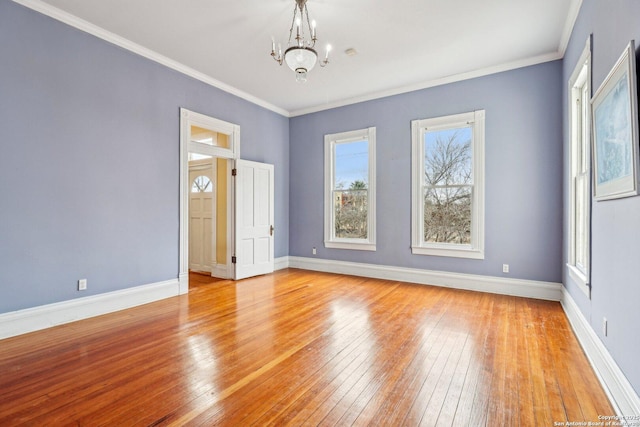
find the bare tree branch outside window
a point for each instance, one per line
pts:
(351, 190)
(448, 186)
(351, 211)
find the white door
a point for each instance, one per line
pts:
(201, 216)
(253, 219)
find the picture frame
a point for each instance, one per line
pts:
(614, 113)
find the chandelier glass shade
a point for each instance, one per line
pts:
(301, 55)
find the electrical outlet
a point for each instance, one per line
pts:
(505, 268)
(313, 251)
(604, 326)
(82, 284)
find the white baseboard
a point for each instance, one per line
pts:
(281, 263)
(620, 392)
(33, 319)
(497, 285)
(183, 283)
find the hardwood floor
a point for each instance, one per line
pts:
(305, 348)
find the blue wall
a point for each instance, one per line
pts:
(615, 224)
(89, 161)
(523, 149)
(89, 137)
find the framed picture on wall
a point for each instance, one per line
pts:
(614, 109)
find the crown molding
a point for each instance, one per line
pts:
(433, 83)
(81, 24)
(87, 27)
(572, 17)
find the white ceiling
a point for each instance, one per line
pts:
(402, 44)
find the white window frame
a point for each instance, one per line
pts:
(330, 142)
(579, 92)
(475, 250)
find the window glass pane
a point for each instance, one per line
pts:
(201, 184)
(581, 223)
(197, 156)
(447, 156)
(351, 189)
(350, 213)
(351, 165)
(209, 137)
(447, 215)
(584, 131)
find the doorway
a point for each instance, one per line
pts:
(202, 214)
(207, 149)
(209, 215)
(242, 204)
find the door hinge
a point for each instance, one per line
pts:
(234, 172)
(234, 259)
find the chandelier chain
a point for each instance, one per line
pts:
(293, 23)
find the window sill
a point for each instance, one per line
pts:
(448, 252)
(580, 279)
(351, 245)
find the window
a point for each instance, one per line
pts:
(202, 184)
(448, 186)
(209, 137)
(579, 185)
(350, 189)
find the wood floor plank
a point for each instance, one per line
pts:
(304, 348)
(398, 375)
(403, 392)
(522, 369)
(474, 384)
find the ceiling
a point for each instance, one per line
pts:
(401, 45)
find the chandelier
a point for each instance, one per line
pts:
(301, 55)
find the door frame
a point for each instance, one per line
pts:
(187, 119)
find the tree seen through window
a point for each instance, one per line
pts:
(351, 190)
(448, 186)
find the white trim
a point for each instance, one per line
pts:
(37, 318)
(354, 245)
(575, 89)
(620, 392)
(448, 250)
(475, 250)
(330, 142)
(548, 57)
(579, 279)
(496, 285)
(183, 283)
(87, 27)
(572, 17)
(281, 263)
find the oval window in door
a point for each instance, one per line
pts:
(202, 184)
